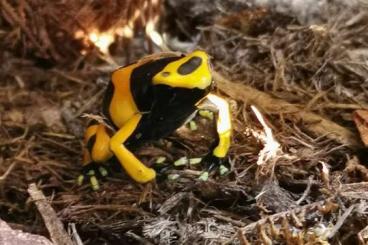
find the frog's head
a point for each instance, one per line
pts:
(192, 71)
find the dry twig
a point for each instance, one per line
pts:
(55, 227)
(7, 172)
(306, 191)
(341, 221)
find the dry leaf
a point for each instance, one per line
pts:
(361, 121)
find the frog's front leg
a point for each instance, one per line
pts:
(223, 125)
(132, 165)
(224, 129)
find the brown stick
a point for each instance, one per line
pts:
(313, 122)
(57, 232)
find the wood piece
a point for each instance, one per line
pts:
(312, 121)
(53, 224)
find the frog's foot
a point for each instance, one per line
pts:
(161, 170)
(213, 163)
(92, 172)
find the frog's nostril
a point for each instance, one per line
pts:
(165, 74)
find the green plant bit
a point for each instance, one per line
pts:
(160, 160)
(194, 161)
(173, 176)
(193, 125)
(203, 176)
(206, 114)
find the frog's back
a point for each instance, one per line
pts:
(130, 90)
(119, 105)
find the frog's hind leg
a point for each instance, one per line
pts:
(132, 165)
(96, 151)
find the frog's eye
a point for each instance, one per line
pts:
(190, 71)
(190, 66)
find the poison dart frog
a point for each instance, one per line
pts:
(148, 100)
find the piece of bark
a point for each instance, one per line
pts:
(8, 236)
(312, 121)
(53, 224)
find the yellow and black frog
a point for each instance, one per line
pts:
(148, 100)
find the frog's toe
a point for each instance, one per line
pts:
(211, 164)
(95, 185)
(204, 176)
(80, 179)
(92, 173)
(223, 170)
(103, 171)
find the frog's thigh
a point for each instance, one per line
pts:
(96, 144)
(132, 165)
